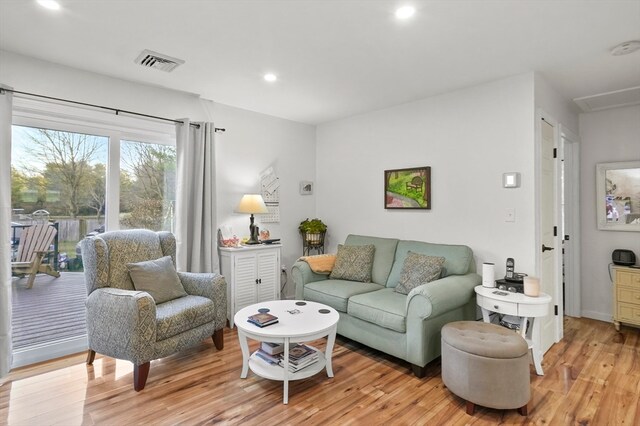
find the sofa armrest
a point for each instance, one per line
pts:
(303, 275)
(210, 285)
(443, 295)
(122, 324)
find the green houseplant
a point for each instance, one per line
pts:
(312, 232)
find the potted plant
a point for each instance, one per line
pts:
(312, 231)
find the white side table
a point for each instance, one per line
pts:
(491, 299)
(297, 324)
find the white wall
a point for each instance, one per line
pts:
(607, 136)
(469, 138)
(251, 143)
(547, 98)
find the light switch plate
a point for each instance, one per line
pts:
(510, 215)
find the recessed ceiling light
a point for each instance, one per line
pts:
(405, 12)
(270, 77)
(49, 4)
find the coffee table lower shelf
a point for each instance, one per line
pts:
(276, 372)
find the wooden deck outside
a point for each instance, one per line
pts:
(52, 310)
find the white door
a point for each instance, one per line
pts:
(548, 267)
(268, 276)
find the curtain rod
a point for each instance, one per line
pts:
(116, 110)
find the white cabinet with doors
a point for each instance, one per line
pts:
(252, 274)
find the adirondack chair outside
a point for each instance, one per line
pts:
(35, 242)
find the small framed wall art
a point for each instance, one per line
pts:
(306, 187)
(407, 188)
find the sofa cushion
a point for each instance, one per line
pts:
(418, 269)
(353, 263)
(336, 293)
(384, 307)
(382, 258)
(458, 258)
(183, 314)
(158, 278)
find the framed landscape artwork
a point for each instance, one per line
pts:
(618, 196)
(407, 188)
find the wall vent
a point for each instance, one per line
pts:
(158, 61)
(618, 98)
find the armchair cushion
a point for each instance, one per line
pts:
(158, 278)
(183, 314)
(418, 269)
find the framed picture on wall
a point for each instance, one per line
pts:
(407, 188)
(618, 196)
(306, 187)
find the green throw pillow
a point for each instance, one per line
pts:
(353, 263)
(158, 278)
(418, 269)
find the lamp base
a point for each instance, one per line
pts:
(254, 232)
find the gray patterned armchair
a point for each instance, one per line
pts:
(127, 324)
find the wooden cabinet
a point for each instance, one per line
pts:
(252, 274)
(626, 296)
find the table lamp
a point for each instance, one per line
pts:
(252, 203)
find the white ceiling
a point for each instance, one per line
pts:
(334, 58)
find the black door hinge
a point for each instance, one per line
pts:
(555, 152)
(566, 238)
(555, 309)
(555, 231)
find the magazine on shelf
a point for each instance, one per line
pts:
(262, 319)
(267, 358)
(272, 348)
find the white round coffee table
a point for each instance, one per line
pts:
(296, 324)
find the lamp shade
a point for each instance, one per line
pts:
(252, 203)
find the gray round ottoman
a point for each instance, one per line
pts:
(486, 365)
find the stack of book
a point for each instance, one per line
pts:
(271, 353)
(262, 319)
(300, 356)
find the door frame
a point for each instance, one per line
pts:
(570, 143)
(542, 115)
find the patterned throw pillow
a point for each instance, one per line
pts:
(353, 263)
(418, 269)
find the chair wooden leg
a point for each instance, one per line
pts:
(218, 339)
(91, 355)
(140, 374)
(419, 372)
(524, 410)
(471, 408)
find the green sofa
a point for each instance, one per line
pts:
(405, 326)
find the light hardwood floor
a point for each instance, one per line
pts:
(592, 377)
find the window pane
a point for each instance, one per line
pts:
(64, 174)
(147, 186)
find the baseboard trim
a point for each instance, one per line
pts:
(601, 316)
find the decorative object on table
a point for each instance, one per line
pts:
(488, 275)
(623, 257)
(306, 187)
(262, 319)
(617, 196)
(407, 188)
(313, 232)
(253, 204)
(264, 234)
(531, 286)
(226, 238)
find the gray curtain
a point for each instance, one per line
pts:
(6, 101)
(195, 198)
